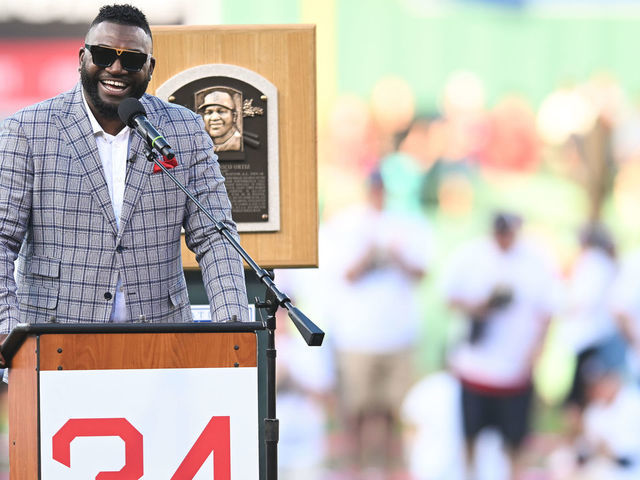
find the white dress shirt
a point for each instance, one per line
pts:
(113, 152)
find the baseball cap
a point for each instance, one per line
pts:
(219, 98)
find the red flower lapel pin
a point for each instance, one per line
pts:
(168, 164)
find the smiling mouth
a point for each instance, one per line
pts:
(115, 87)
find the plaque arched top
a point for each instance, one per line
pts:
(218, 70)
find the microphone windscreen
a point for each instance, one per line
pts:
(129, 109)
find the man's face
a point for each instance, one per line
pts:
(106, 87)
(505, 239)
(219, 117)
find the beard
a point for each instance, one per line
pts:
(108, 110)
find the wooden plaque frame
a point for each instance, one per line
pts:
(284, 55)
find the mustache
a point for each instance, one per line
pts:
(90, 85)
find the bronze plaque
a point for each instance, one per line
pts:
(241, 122)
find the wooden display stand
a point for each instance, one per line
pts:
(285, 56)
(38, 350)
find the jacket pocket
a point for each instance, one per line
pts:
(37, 296)
(159, 184)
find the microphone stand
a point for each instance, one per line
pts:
(274, 299)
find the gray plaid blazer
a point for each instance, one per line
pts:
(56, 216)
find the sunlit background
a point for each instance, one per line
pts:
(465, 107)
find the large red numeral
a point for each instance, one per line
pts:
(214, 438)
(102, 427)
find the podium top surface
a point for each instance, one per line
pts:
(17, 336)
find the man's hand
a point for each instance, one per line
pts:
(474, 310)
(363, 264)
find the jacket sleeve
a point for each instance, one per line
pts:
(221, 265)
(16, 184)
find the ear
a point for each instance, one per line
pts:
(81, 55)
(152, 66)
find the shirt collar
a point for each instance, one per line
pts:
(95, 126)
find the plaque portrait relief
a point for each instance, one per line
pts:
(221, 110)
(239, 109)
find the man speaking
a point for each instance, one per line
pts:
(96, 231)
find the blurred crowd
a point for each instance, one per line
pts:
(477, 284)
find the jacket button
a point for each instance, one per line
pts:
(108, 296)
(119, 248)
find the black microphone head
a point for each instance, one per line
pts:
(129, 109)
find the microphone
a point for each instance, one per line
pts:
(133, 114)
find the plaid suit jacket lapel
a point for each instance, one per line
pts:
(76, 128)
(137, 177)
(140, 170)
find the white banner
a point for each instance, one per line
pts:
(165, 424)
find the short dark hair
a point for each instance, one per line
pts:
(506, 222)
(122, 14)
(596, 235)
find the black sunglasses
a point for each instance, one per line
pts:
(130, 60)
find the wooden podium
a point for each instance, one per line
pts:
(165, 391)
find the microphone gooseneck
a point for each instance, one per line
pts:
(133, 114)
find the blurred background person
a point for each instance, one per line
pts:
(609, 446)
(377, 259)
(625, 304)
(588, 326)
(304, 382)
(503, 287)
(431, 416)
